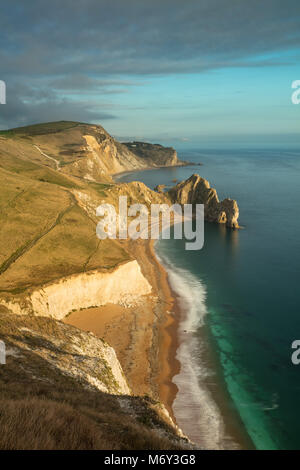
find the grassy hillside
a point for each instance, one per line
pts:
(42, 394)
(44, 233)
(82, 150)
(40, 129)
(48, 216)
(52, 180)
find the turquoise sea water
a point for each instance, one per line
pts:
(251, 280)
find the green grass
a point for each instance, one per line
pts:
(35, 171)
(46, 236)
(49, 176)
(40, 129)
(100, 188)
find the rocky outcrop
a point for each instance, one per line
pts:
(124, 286)
(197, 190)
(160, 188)
(99, 367)
(154, 154)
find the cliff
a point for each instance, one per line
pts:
(154, 154)
(197, 190)
(62, 388)
(125, 285)
(82, 150)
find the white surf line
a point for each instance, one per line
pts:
(47, 156)
(194, 408)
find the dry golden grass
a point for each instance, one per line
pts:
(43, 408)
(41, 424)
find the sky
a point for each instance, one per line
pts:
(166, 71)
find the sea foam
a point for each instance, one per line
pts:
(194, 408)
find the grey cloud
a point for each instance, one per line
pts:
(27, 106)
(86, 46)
(80, 81)
(141, 37)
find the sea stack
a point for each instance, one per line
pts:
(197, 190)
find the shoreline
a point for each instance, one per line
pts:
(115, 176)
(168, 340)
(215, 409)
(147, 340)
(154, 338)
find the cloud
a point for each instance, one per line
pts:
(92, 46)
(141, 37)
(28, 106)
(84, 83)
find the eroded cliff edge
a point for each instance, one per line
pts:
(154, 154)
(125, 285)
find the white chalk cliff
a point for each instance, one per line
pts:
(124, 286)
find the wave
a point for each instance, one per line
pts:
(194, 408)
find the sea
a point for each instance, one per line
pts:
(243, 289)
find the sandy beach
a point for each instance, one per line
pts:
(147, 338)
(144, 336)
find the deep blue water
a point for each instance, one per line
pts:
(251, 278)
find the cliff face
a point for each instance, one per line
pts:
(124, 285)
(105, 155)
(154, 154)
(71, 352)
(197, 190)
